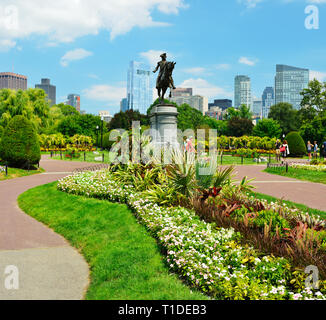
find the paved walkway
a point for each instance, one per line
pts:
(49, 268)
(310, 194)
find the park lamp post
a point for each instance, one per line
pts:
(102, 120)
(97, 131)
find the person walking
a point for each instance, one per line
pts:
(315, 149)
(309, 148)
(323, 150)
(277, 150)
(285, 151)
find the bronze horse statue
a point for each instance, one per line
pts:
(164, 79)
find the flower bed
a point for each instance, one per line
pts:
(320, 168)
(208, 258)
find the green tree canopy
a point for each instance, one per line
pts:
(242, 113)
(285, 115)
(267, 128)
(123, 120)
(238, 127)
(19, 146)
(314, 96)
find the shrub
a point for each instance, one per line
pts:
(1, 132)
(20, 145)
(296, 144)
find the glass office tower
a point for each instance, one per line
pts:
(242, 91)
(267, 101)
(289, 82)
(139, 87)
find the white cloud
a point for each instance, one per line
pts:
(320, 76)
(73, 55)
(64, 21)
(153, 56)
(247, 61)
(204, 88)
(111, 95)
(223, 66)
(250, 3)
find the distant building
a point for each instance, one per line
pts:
(139, 87)
(74, 101)
(242, 91)
(124, 105)
(49, 89)
(14, 81)
(268, 100)
(257, 106)
(105, 116)
(181, 92)
(224, 104)
(215, 112)
(289, 82)
(197, 102)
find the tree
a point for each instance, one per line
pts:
(123, 120)
(314, 130)
(285, 115)
(189, 118)
(20, 145)
(267, 128)
(243, 113)
(314, 96)
(296, 144)
(240, 127)
(67, 110)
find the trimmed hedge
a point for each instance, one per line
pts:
(296, 144)
(20, 146)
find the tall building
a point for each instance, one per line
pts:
(268, 100)
(224, 104)
(179, 92)
(139, 87)
(257, 106)
(197, 102)
(49, 89)
(74, 101)
(14, 81)
(242, 91)
(124, 105)
(289, 82)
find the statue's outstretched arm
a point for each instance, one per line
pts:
(157, 67)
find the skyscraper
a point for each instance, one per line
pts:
(257, 107)
(139, 87)
(74, 101)
(197, 102)
(289, 82)
(49, 89)
(124, 105)
(268, 100)
(14, 81)
(242, 91)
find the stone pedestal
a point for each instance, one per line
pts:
(164, 125)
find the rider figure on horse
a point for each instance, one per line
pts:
(164, 79)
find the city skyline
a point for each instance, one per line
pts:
(94, 64)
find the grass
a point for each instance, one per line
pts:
(291, 204)
(301, 174)
(90, 157)
(125, 261)
(230, 160)
(17, 173)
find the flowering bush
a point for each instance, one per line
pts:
(2, 169)
(207, 258)
(320, 168)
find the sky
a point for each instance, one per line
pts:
(85, 46)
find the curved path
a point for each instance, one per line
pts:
(49, 268)
(310, 194)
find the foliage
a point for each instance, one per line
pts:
(314, 97)
(243, 113)
(296, 144)
(285, 115)
(123, 120)
(267, 128)
(19, 146)
(239, 127)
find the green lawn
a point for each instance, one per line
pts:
(17, 173)
(125, 261)
(301, 174)
(230, 160)
(90, 157)
(302, 207)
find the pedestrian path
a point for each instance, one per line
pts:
(48, 267)
(308, 193)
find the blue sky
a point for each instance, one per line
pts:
(85, 46)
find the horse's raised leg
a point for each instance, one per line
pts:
(163, 94)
